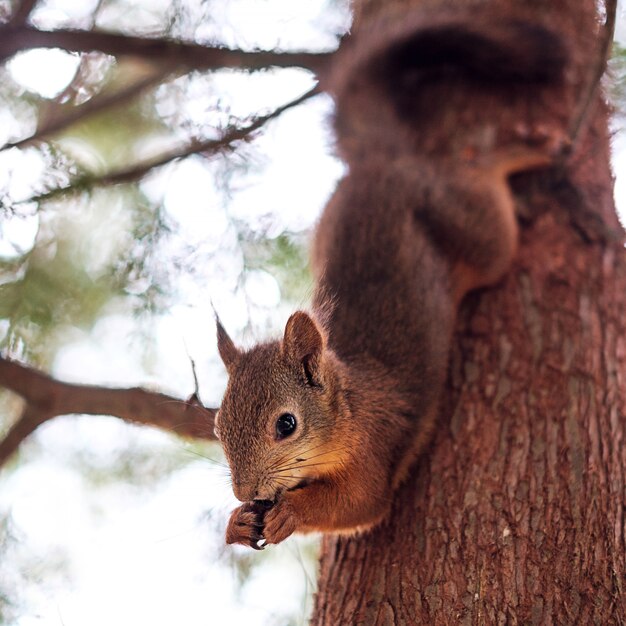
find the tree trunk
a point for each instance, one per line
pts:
(516, 512)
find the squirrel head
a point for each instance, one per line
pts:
(281, 410)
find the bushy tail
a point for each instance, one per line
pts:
(502, 50)
(426, 46)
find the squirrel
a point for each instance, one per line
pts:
(322, 426)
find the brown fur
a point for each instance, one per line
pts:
(405, 236)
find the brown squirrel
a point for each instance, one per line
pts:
(321, 427)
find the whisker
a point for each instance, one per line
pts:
(189, 405)
(278, 472)
(206, 432)
(283, 483)
(284, 458)
(208, 458)
(297, 463)
(313, 456)
(301, 459)
(278, 462)
(282, 479)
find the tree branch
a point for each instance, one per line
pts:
(47, 397)
(588, 95)
(96, 104)
(28, 422)
(136, 172)
(22, 13)
(190, 55)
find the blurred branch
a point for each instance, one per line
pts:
(96, 104)
(22, 13)
(29, 421)
(136, 172)
(77, 81)
(589, 93)
(16, 38)
(47, 397)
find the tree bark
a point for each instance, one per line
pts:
(516, 512)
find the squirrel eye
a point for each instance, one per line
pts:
(285, 425)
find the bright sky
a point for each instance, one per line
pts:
(156, 556)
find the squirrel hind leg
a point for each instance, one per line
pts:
(491, 223)
(472, 222)
(491, 252)
(515, 159)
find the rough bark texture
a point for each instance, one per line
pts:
(516, 513)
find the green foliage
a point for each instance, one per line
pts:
(89, 257)
(285, 257)
(617, 67)
(115, 136)
(7, 606)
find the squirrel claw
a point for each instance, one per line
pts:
(254, 544)
(245, 526)
(280, 522)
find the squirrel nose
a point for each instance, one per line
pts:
(244, 492)
(264, 494)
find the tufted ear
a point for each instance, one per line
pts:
(303, 344)
(227, 349)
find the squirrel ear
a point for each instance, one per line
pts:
(303, 343)
(227, 349)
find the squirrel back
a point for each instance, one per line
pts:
(320, 427)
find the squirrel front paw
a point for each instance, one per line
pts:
(245, 526)
(279, 522)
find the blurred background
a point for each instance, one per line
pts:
(111, 283)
